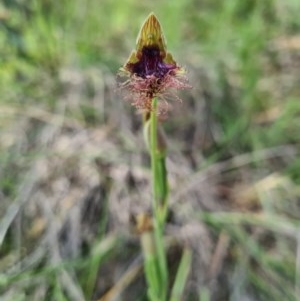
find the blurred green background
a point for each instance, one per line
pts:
(74, 168)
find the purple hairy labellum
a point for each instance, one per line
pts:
(151, 71)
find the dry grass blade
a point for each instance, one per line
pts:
(31, 260)
(271, 222)
(297, 276)
(129, 276)
(72, 289)
(287, 151)
(218, 256)
(24, 195)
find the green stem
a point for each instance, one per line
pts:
(159, 172)
(153, 151)
(158, 217)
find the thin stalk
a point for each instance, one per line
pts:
(158, 220)
(153, 153)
